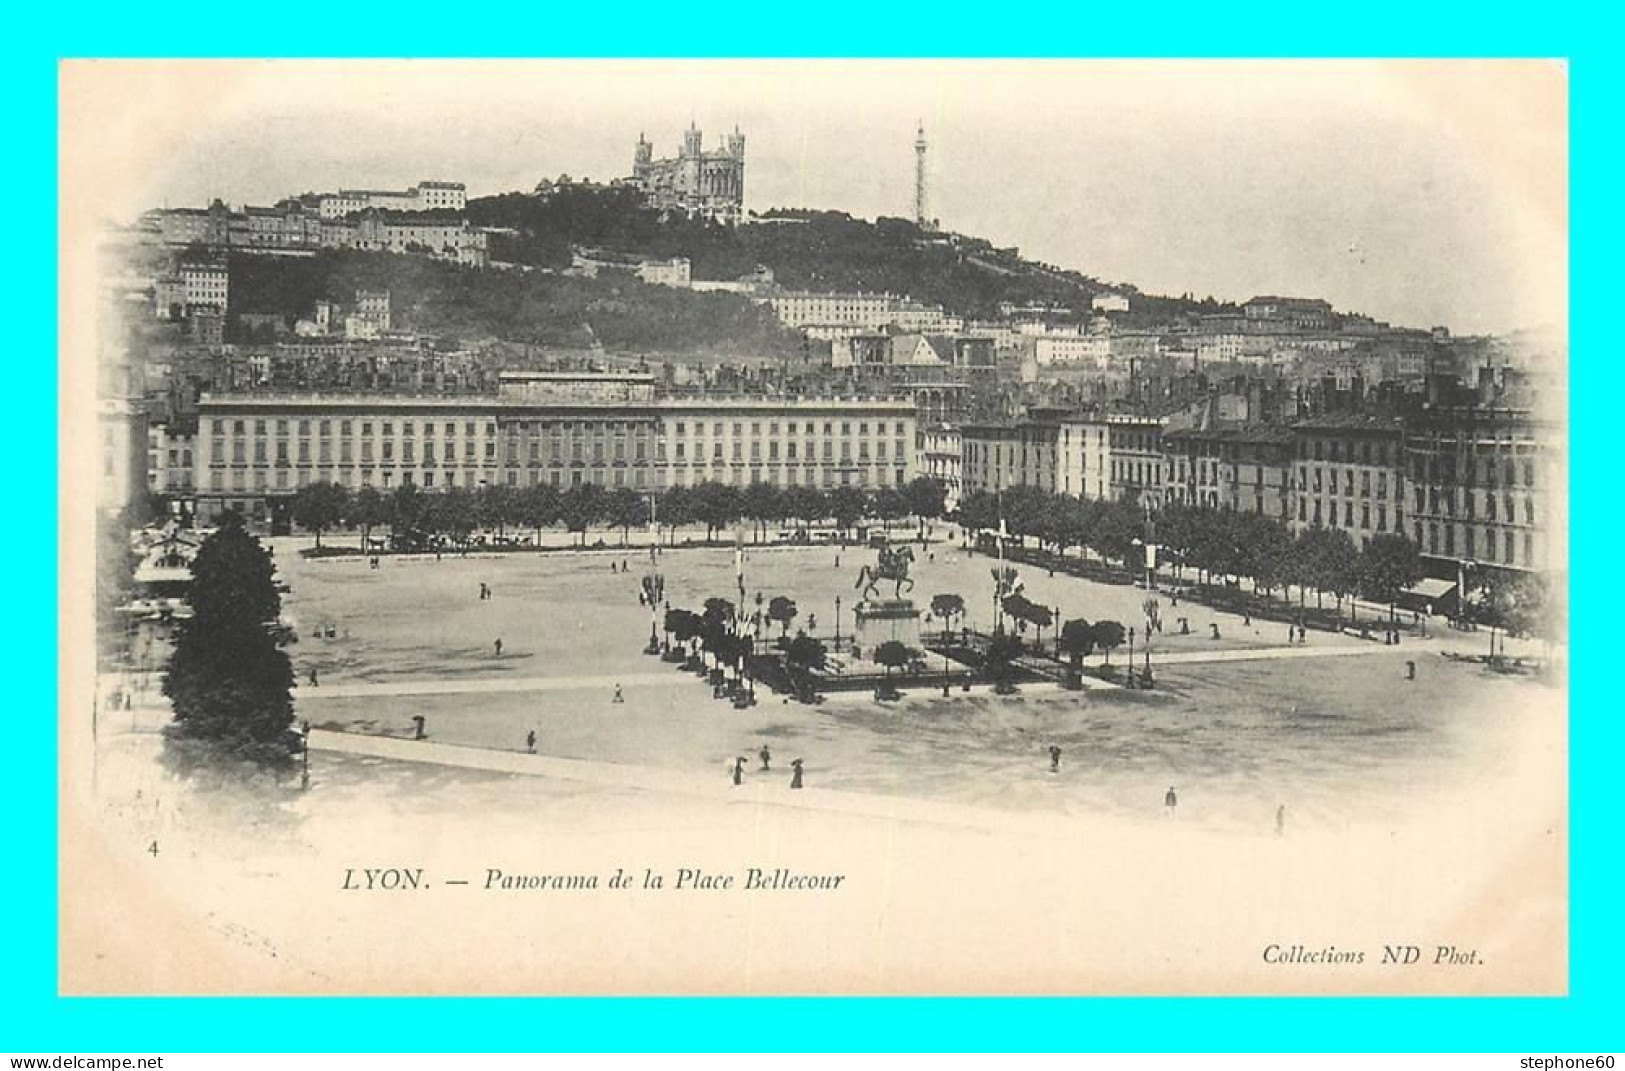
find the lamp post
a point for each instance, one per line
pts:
(837, 624)
(1131, 656)
(654, 591)
(929, 621)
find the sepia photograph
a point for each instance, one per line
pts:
(807, 527)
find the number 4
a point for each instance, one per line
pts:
(152, 849)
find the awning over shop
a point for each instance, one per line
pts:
(1432, 589)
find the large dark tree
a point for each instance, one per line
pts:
(1388, 565)
(847, 505)
(1108, 636)
(453, 513)
(624, 507)
(782, 609)
(371, 510)
(926, 497)
(716, 505)
(804, 503)
(229, 681)
(320, 506)
(948, 608)
(581, 506)
(762, 502)
(802, 658)
(1002, 651)
(893, 655)
(1077, 640)
(539, 507)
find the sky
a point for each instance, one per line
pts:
(1419, 192)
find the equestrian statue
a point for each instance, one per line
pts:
(893, 565)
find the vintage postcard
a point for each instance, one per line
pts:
(812, 527)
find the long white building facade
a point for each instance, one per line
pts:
(254, 450)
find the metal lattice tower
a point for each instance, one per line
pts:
(920, 216)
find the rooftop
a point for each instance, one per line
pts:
(1349, 422)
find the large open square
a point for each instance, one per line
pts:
(1324, 802)
(1243, 725)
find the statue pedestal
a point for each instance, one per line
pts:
(880, 620)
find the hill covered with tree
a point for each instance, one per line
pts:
(805, 249)
(622, 313)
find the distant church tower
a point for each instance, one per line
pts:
(695, 182)
(920, 216)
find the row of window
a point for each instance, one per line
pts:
(1493, 471)
(346, 427)
(790, 451)
(791, 427)
(284, 480)
(1146, 442)
(279, 452)
(409, 428)
(1330, 514)
(1207, 472)
(1444, 501)
(1136, 473)
(1364, 452)
(1472, 548)
(1305, 482)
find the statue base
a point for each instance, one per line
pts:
(882, 620)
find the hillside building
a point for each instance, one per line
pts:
(698, 183)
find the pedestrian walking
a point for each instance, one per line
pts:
(795, 776)
(739, 770)
(766, 756)
(1302, 636)
(1170, 801)
(418, 723)
(1410, 670)
(619, 698)
(1054, 759)
(313, 681)
(498, 646)
(1280, 820)
(1215, 627)
(530, 741)
(1291, 633)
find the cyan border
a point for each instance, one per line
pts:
(34, 1018)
